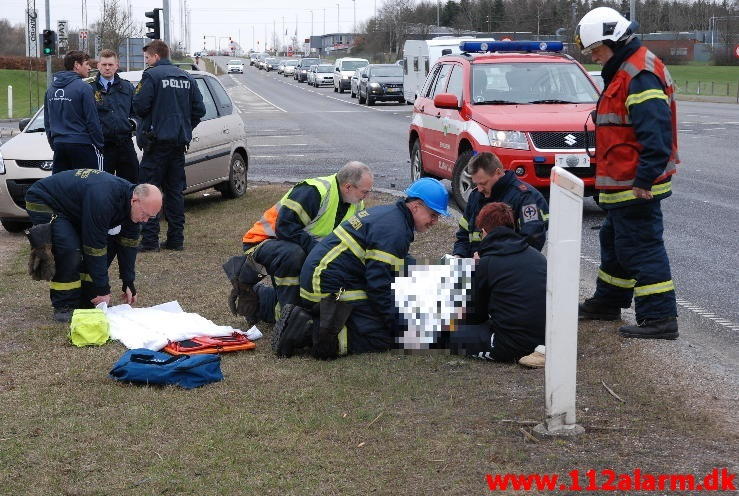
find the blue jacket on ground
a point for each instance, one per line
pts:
(509, 288)
(95, 202)
(70, 115)
(115, 107)
(530, 210)
(169, 103)
(362, 255)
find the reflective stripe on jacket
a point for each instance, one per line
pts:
(617, 147)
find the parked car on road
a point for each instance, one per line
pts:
(324, 75)
(523, 101)
(271, 64)
(343, 70)
(217, 155)
(301, 71)
(381, 83)
(235, 66)
(354, 82)
(311, 75)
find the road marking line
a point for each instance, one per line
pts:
(282, 144)
(276, 156)
(260, 96)
(275, 135)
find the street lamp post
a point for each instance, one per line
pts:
(354, 26)
(338, 21)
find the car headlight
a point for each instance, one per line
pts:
(508, 139)
(2, 164)
(374, 85)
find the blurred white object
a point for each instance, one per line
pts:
(253, 333)
(429, 298)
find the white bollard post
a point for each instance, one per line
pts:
(563, 286)
(10, 102)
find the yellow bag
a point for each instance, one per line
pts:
(89, 326)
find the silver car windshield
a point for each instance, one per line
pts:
(530, 82)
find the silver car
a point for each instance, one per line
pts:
(324, 74)
(217, 156)
(354, 83)
(289, 68)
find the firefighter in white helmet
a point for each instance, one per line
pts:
(636, 153)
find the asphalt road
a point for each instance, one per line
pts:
(298, 131)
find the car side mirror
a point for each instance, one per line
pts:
(447, 101)
(23, 123)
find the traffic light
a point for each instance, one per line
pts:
(154, 34)
(48, 42)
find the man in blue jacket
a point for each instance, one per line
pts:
(170, 105)
(506, 317)
(346, 278)
(70, 118)
(94, 217)
(114, 101)
(495, 184)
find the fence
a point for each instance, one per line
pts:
(708, 88)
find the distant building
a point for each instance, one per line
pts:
(332, 43)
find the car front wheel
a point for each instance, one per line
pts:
(417, 171)
(236, 184)
(462, 184)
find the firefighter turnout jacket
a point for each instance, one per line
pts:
(305, 214)
(530, 210)
(636, 128)
(96, 203)
(169, 103)
(361, 257)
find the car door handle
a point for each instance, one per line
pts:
(438, 115)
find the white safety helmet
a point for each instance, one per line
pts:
(599, 25)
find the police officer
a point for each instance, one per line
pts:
(636, 153)
(96, 215)
(170, 105)
(70, 118)
(495, 184)
(114, 100)
(289, 230)
(347, 277)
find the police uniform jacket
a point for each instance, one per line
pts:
(362, 256)
(169, 103)
(509, 291)
(115, 107)
(95, 202)
(530, 210)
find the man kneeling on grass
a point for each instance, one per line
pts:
(507, 314)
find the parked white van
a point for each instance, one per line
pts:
(420, 55)
(343, 70)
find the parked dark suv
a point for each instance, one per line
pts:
(381, 82)
(301, 71)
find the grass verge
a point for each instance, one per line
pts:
(24, 104)
(387, 423)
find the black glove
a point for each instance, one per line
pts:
(41, 264)
(333, 316)
(130, 286)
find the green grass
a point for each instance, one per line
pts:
(386, 424)
(716, 80)
(23, 105)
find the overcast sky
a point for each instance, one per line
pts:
(250, 20)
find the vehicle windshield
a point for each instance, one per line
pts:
(37, 124)
(234, 62)
(353, 65)
(388, 70)
(270, 60)
(309, 62)
(531, 82)
(325, 68)
(292, 63)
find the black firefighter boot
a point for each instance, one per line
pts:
(665, 328)
(592, 309)
(292, 331)
(334, 314)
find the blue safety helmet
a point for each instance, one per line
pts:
(432, 192)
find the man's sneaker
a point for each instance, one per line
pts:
(592, 309)
(146, 248)
(536, 360)
(63, 314)
(652, 329)
(293, 330)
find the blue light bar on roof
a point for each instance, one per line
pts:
(510, 46)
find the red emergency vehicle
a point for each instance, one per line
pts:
(521, 100)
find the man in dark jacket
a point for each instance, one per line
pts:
(495, 184)
(356, 264)
(170, 106)
(95, 216)
(507, 315)
(70, 118)
(114, 101)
